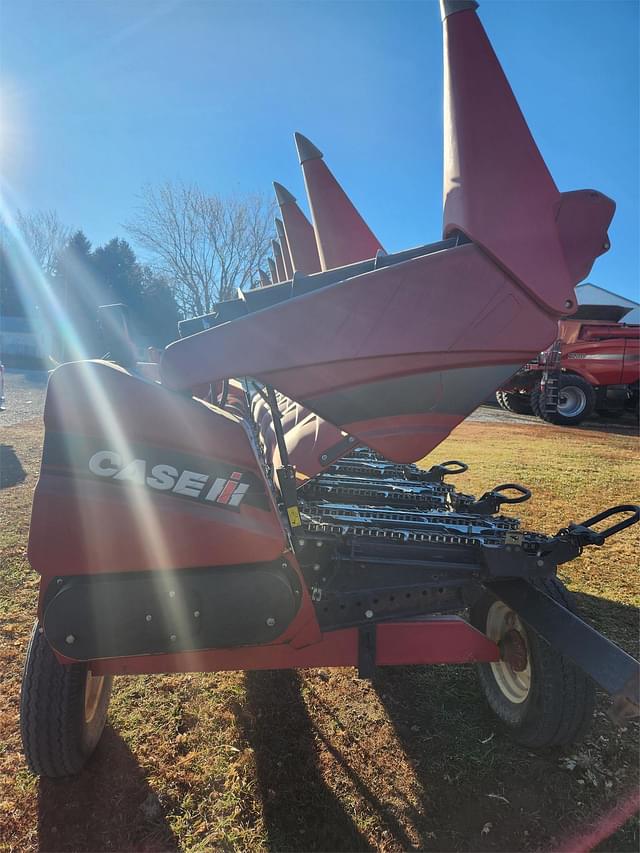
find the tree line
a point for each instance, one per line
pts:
(198, 248)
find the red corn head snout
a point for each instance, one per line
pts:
(265, 281)
(342, 235)
(301, 237)
(277, 254)
(497, 188)
(273, 270)
(286, 255)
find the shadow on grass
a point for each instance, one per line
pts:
(618, 622)
(628, 424)
(109, 806)
(300, 811)
(481, 778)
(11, 470)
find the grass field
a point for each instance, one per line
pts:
(318, 760)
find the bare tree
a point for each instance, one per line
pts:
(45, 235)
(208, 245)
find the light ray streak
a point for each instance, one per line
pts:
(36, 290)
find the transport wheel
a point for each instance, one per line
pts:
(514, 401)
(541, 697)
(576, 401)
(62, 710)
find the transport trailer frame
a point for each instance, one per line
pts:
(351, 568)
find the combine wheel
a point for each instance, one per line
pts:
(62, 710)
(540, 697)
(500, 400)
(576, 401)
(513, 401)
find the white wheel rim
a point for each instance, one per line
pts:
(93, 687)
(572, 401)
(514, 685)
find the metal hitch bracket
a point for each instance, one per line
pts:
(491, 501)
(586, 535)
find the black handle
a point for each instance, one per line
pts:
(608, 513)
(523, 493)
(436, 473)
(453, 466)
(491, 501)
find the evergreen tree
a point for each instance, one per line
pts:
(160, 315)
(78, 298)
(11, 303)
(118, 272)
(81, 279)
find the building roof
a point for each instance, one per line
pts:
(609, 297)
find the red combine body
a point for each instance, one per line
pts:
(282, 521)
(593, 366)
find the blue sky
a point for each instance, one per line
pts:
(102, 96)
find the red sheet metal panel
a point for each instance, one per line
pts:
(425, 339)
(134, 477)
(429, 641)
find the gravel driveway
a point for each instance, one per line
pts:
(627, 425)
(24, 395)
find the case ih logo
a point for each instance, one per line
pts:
(165, 478)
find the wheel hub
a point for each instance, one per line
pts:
(513, 648)
(571, 401)
(512, 673)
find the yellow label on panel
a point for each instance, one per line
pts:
(294, 516)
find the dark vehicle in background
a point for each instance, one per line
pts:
(593, 366)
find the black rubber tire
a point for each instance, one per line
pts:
(632, 404)
(500, 400)
(56, 737)
(561, 701)
(566, 380)
(513, 401)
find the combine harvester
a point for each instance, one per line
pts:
(285, 523)
(593, 365)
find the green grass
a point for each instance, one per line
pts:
(318, 760)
